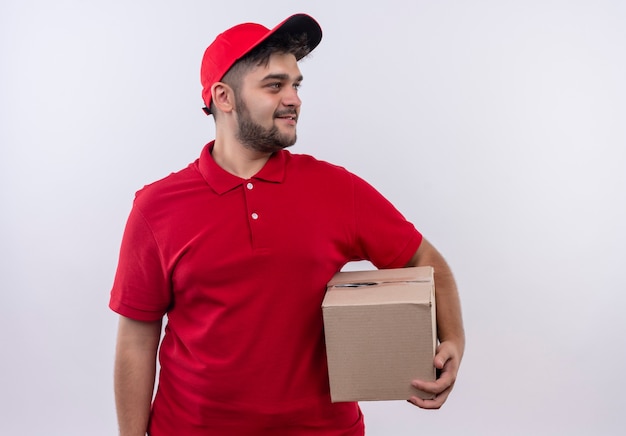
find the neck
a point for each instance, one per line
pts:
(237, 159)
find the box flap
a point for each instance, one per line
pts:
(380, 294)
(356, 278)
(364, 287)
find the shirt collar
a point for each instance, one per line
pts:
(222, 181)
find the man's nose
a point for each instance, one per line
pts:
(291, 98)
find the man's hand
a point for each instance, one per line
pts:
(447, 361)
(449, 329)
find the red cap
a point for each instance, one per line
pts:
(236, 42)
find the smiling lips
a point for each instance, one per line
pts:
(288, 116)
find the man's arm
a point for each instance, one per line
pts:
(449, 328)
(135, 370)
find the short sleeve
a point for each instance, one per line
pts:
(141, 289)
(383, 234)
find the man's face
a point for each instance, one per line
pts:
(268, 106)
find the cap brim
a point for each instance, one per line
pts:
(298, 24)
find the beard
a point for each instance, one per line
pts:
(258, 138)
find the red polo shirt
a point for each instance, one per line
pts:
(240, 268)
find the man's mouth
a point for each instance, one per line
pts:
(288, 116)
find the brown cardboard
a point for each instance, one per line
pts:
(380, 329)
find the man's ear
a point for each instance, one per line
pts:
(223, 97)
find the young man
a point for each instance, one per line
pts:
(237, 248)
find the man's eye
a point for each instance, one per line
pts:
(297, 86)
(275, 85)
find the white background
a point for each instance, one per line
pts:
(497, 127)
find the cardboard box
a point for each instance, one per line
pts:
(381, 333)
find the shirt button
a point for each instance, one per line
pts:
(255, 216)
(249, 185)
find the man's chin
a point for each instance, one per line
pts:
(292, 141)
(255, 137)
(285, 141)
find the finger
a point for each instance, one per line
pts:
(431, 403)
(434, 387)
(443, 355)
(446, 378)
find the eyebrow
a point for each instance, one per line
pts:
(281, 76)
